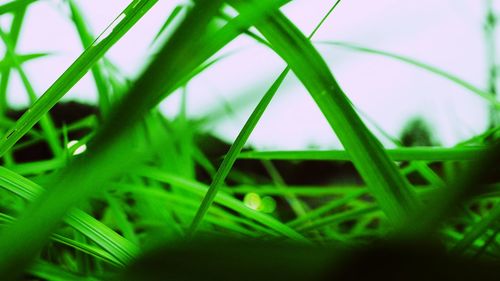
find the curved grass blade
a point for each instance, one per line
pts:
(453, 78)
(392, 191)
(82, 247)
(14, 6)
(96, 231)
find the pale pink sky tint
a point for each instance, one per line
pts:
(445, 33)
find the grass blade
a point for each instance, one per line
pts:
(14, 6)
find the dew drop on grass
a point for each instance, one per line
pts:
(252, 201)
(76, 148)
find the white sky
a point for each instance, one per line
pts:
(444, 33)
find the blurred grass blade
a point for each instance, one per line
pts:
(394, 194)
(430, 154)
(96, 231)
(8, 64)
(52, 272)
(81, 247)
(14, 6)
(234, 150)
(173, 15)
(453, 78)
(132, 13)
(14, 31)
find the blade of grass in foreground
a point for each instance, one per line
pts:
(14, 6)
(241, 139)
(103, 236)
(132, 13)
(398, 154)
(453, 78)
(392, 191)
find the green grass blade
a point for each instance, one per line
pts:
(81, 247)
(14, 6)
(430, 154)
(173, 15)
(338, 218)
(103, 236)
(451, 77)
(15, 28)
(234, 150)
(52, 272)
(6, 63)
(394, 194)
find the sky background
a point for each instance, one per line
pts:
(447, 34)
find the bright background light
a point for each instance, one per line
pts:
(447, 34)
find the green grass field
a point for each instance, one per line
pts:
(139, 196)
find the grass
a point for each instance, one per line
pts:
(146, 180)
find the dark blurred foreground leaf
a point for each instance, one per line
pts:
(247, 260)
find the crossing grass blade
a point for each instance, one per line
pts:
(392, 191)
